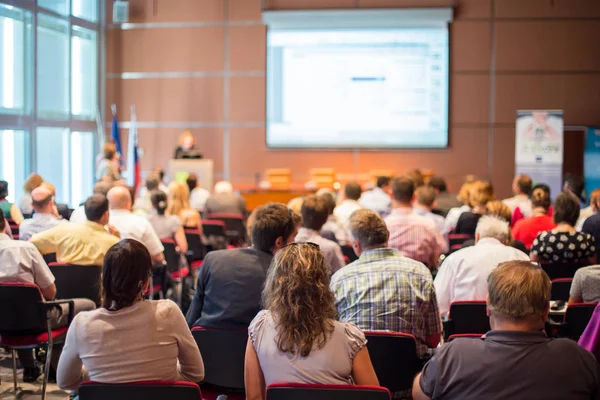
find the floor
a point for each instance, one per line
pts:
(28, 391)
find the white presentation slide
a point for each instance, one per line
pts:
(360, 88)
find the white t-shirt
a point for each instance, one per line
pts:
(132, 226)
(21, 262)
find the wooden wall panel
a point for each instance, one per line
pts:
(470, 46)
(247, 99)
(466, 9)
(534, 9)
(469, 99)
(248, 46)
(245, 10)
(504, 161)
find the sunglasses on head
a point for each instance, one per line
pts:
(311, 244)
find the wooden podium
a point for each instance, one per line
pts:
(203, 168)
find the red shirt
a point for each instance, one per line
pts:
(526, 230)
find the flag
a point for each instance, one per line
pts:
(133, 160)
(114, 133)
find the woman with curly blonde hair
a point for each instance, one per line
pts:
(178, 204)
(297, 339)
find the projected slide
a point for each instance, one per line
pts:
(357, 88)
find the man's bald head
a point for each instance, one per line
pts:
(119, 198)
(41, 199)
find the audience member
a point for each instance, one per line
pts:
(297, 339)
(332, 225)
(592, 226)
(80, 244)
(424, 204)
(187, 142)
(33, 181)
(198, 195)
(44, 217)
(352, 193)
(78, 215)
(108, 168)
(586, 285)
(162, 186)
(500, 210)
(526, 230)
(61, 209)
(225, 201)
(563, 243)
(378, 199)
(230, 281)
(314, 215)
(590, 339)
(295, 204)
(590, 210)
(166, 226)
(455, 213)
(516, 360)
(383, 290)
(9, 209)
(575, 185)
(444, 201)
(415, 236)
(417, 177)
(7, 230)
(518, 215)
(521, 188)
(463, 274)
(481, 193)
(23, 263)
(143, 203)
(178, 204)
(133, 226)
(153, 342)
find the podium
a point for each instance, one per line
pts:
(203, 168)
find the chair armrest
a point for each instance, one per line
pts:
(55, 303)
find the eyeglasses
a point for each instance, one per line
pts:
(311, 244)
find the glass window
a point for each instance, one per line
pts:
(14, 164)
(15, 60)
(84, 76)
(53, 68)
(58, 6)
(86, 9)
(52, 156)
(82, 166)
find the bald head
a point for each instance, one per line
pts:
(119, 198)
(41, 199)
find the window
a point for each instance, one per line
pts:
(52, 156)
(53, 76)
(58, 6)
(85, 9)
(82, 161)
(14, 145)
(84, 76)
(15, 60)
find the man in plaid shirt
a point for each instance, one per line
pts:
(383, 290)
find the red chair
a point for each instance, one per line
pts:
(465, 336)
(25, 322)
(223, 352)
(299, 391)
(456, 240)
(394, 358)
(577, 317)
(235, 226)
(77, 281)
(468, 316)
(14, 228)
(561, 288)
(147, 390)
(196, 248)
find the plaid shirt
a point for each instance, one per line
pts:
(415, 236)
(388, 292)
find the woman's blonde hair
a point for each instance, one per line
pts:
(463, 193)
(178, 199)
(297, 294)
(481, 193)
(33, 181)
(498, 209)
(186, 135)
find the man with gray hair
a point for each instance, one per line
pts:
(516, 360)
(383, 290)
(225, 201)
(463, 274)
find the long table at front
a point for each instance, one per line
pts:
(257, 197)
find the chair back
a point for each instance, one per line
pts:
(195, 244)
(561, 288)
(170, 253)
(577, 317)
(234, 224)
(456, 240)
(149, 390)
(299, 391)
(21, 308)
(223, 352)
(394, 358)
(77, 281)
(49, 258)
(348, 252)
(212, 227)
(14, 228)
(469, 317)
(561, 270)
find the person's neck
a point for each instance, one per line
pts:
(539, 211)
(479, 210)
(421, 207)
(397, 205)
(43, 211)
(508, 324)
(120, 209)
(564, 227)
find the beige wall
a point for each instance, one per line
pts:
(505, 55)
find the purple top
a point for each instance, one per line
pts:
(590, 340)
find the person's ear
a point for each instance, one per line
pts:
(355, 246)
(279, 243)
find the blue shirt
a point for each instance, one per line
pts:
(376, 200)
(37, 223)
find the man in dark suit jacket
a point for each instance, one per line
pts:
(230, 284)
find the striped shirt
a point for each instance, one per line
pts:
(415, 236)
(385, 291)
